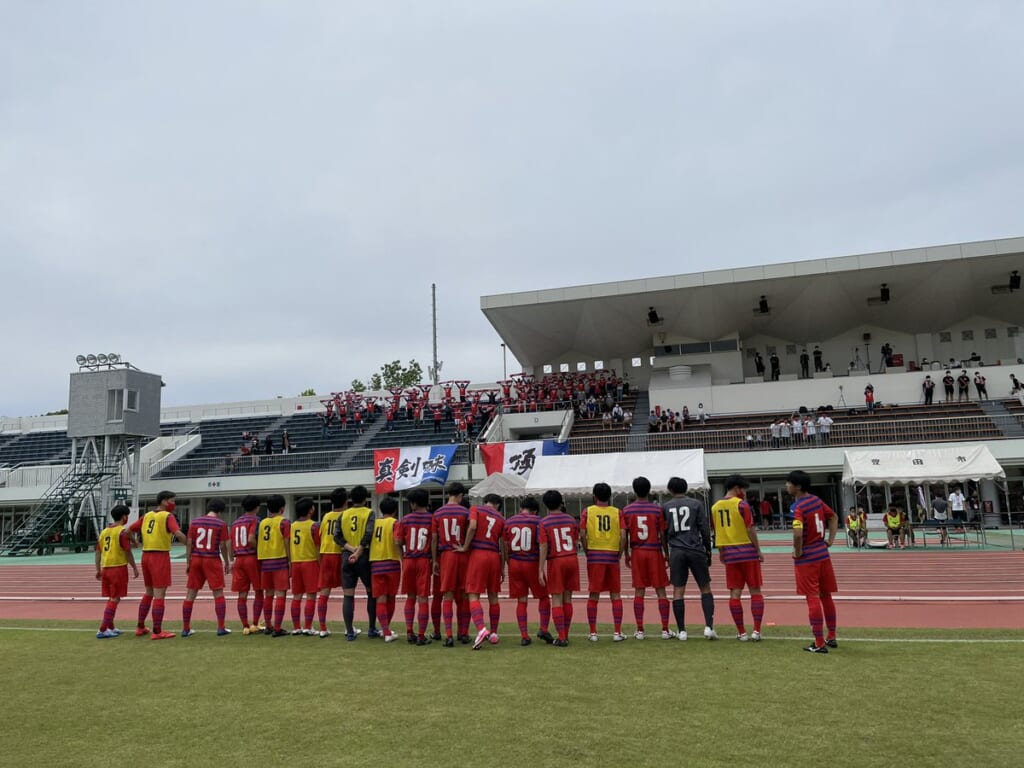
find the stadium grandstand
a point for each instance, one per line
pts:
(763, 368)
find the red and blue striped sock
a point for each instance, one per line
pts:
(495, 615)
(448, 614)
(392, 606)
(158, 615)
(736, 609)
(617, 615)
(296, 611)
(278, 612)
(321, 611)
(638, 613)
(108, 615)
(410, 614)
(186, 615)
(422, 617)
(663, 612)
(464, 615)
(815, 615)
(243, 611)
(560, 626)
(567, 612)
(757, 608)
(144, 604)
(220, 609)
(829, 608)
(521, 619)
(257, 606)
(476, 611)
(382, 615)
(592, 615)
(545, 613)
(307, 617)
(435, 613)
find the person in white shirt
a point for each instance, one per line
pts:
(775, 433)
(956, 505)
(824, 427)
(798, 430)
(810, 431)
(785, 432)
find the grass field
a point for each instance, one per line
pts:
(915, 699)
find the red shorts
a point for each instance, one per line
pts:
(483, 573)
(604, 577)
(156, 569)
(453, 571)
(523, 578)
(275, 581)
(330, 571)
(245, 574)
(563, 574)
(649, 569)
(203, 570)
(386, 584)
(115, 581)
(816, 578)
(416, 574)
(743, 574)
(305, 577)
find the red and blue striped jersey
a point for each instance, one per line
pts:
(810, 515)
(489, 527)
(241, 530)
(560, 532)
(521, 537)
(645, 523)
(206, 534)
(450, 523)
(414, 532)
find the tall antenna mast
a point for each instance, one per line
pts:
(435, 368)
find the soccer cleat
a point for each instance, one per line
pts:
(436, 636)
(115, 630)
(410, 637)
(593, 637)
(493, 638)
(481, 638)
(448, 642)
(351, 636)
(464, 639)
(163, 635)
(374, 633)
(525, 640)
(618, 637)
(259, 627)
(324, 633)
(546, 637)
(187, 632)
(710, 633)
(756, 636)
(833, 643)
(743, 637)
(308, 632)
(245, 630)
(268, 630)
(668, 634)
(296, 631)
(682, 636)
(638, 635)
(423, 640)
(390, 637)
(560, 643)
(106, 633)
(812, 648)
(223, 631)
(280, 633)
(141, 631)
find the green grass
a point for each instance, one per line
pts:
(72, 700)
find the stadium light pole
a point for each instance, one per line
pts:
(504, 362)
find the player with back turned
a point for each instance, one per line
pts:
(645, 555)
(273, 542)
(156, 529)
(304, 553)
(449, 534)
(331, 554)
(207, 559)
(603, 533)
(522, 551)
(688, 535)
(113, 556)
(484, 569)
(354, 537)
(386, 565)
(740, 551)
(558, 568)
(815, 578)
(413, 533)
(245, 572)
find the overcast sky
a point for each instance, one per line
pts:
(252, 198)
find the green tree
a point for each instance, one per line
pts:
(394, 374)
(375, 382)
(61, 412)
(308, 393)
(357, 386)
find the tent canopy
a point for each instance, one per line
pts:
(504, 485)
(576, 474)
(920, 465)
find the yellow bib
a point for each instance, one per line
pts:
(382, 543)
(603, 528)
(112, 554)
(730, 527)
(155, 536)
(329, 526)
(270, 539)
(303, 549)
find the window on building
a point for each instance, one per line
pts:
(967, 335)
(548, 369)
(131, 400)
(598, 365)
(945, 337)
(563, 367)
(581, 367)
(637, 362)
(115, 405)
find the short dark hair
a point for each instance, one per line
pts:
(388, 506)
(338, 498)
(164, 496)
(120, 512)
(455, 489)
(736, 481)
(216, 505)
(602, 492)
(304, 506)
(552, 499)
(275, 503)
(418, 498)
(530, 503)
(641, 487)
(359, 494)
(493, 498)
(251, 503)
(800, 479)
(677, 485)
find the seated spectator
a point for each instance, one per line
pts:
(856, 532)
(606, 420)
(680, 420)
(617, 414)
(653, 422)
(627, 419)
(895, 528)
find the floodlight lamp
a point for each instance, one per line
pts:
(113, 357)
(80, 360)
(91, 359)
(101, 359)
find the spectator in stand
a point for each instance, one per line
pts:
(606, 420)
(686, 414)
(805, 364)
(774, 361)
(818, 367)
(963, 386)
(286, 443)
(268, 445)
(869, 398)
(895, 528)
(940, 513)
(774, 431)
(627, 419)
(759, 364)
(619, 387)
(928, 387)
(591, 407)
(702, 415)
(797, 425)
(357, 417)
(979, 386)
(617, 414)
(255, 447)
(824, 427)
(957, 505)
(810, 431)
(437, 419)
(785, 432)
(678, 420)
(947, 385)
(886, 351)
(1015, 387)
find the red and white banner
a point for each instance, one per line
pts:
(519, 458)
(396, 469)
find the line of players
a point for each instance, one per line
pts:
(460, 553)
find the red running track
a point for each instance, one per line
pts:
(943, 589)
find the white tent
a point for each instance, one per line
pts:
(576, 474)
(920, 465)
(504, 485)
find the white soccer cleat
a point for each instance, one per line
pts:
(710, 633)
(245, 630)
(481, 638)
(755, 636)
(390, 637)
(682, 636)
(638, 635)
(324, 633)
(308, 632)
(743, 637)
(296, 631)
(593, 637)
(618, 637)
(668, 634)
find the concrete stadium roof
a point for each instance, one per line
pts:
(930, 288)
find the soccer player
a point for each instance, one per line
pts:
(113, 556)
(895, 526)
(414, 533)
(603, 533)
(522, 552)
(558, 568)
(688, 535)
(245, 571)
(331, 555)
(354, 537)
(386, 565)
(740, 551)
(206, 549)
(645, 555)
(156, 529)
(484, 570)
(449, 560)
(273, 542)
(304, 554)
(815, 579)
